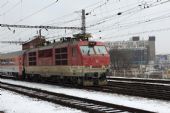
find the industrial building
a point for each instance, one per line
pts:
(136, 51)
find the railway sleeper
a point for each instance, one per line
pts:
(148, 86)
(142, 93)
(103, 108)
(61, 96)
(144, 89)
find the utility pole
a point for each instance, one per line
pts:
(83, 22)
(40, 33)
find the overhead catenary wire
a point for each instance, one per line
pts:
(7, 11)
(99, 6)
(28, 16)
(62, 16)
(38, 11)
(113, 26)
(62, 22)
(12, 8)
(113, 10)
(4, 4)
(48, 26)
(22, 19)
(137, 33)
(136, 23)
(136, 8)
(116, 13)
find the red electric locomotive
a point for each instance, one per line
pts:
(71, 60)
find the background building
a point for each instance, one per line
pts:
(163, 61)
(134, 58)
(133, 52)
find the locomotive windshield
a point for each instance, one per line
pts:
(100, 50)
(87, 50)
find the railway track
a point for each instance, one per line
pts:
(153, 90)
(143, 89)
(161, 81)
(91, 106)
(135, 90)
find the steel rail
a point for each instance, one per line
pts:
(162, 81)
(91, 106)
(141, 89)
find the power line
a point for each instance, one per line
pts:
(93, 4)
(48, 27)
(24, 18)
(14, 6)
(129, 11)
(135, 23)
(28, 16)
(115, 9)
(70, 14)
(3, 5)
(137, 33)
(99, 6)
(75, 19)
(50, 20)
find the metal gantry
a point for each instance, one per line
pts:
(82, 28)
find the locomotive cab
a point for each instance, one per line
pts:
(95, 56)
(95, 59)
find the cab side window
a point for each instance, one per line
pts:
(61, 56)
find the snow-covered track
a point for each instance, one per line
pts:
(84, 104)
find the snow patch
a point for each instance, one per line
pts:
(11, 102)
(131, 101)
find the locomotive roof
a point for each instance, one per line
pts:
(60, 45)
(56, 45)
(11, 54)
(51, 45)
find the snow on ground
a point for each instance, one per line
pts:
(137, 102)
(11, 102)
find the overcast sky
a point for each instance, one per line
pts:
(112, 20)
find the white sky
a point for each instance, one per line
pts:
(61, 13)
